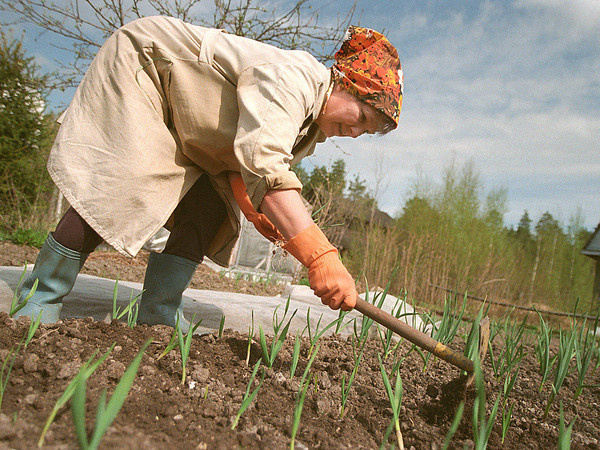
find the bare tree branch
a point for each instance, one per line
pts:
(83, 25)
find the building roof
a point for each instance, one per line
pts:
(592, 247)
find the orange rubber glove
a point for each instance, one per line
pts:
(328, 277)
(262, 224)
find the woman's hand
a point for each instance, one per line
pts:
(328, 277)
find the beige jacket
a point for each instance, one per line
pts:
(164, 102)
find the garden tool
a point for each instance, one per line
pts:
(425, 341)
(56, 269)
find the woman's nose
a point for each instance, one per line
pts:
(356, 131)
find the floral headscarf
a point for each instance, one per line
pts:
(367, 65)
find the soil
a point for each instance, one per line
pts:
(162, 413)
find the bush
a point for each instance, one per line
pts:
(28, 236)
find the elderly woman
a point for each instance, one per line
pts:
(181, 126)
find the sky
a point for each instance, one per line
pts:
(509, 86)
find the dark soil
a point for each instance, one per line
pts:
(161, 413)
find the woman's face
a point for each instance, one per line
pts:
(345, 115)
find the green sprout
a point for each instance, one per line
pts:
(512, 351)
(87, 370)
(221, 326)
(296, 353)
(250, 337)
(300, 397)
(173, 342)
(248, 396)
(33, 327)
(542, 350)
(185, 342)
(279, 334)
(15, 306)
(566, 350)
(346, 385)
(131, 309)
(564, 432)
(318, 333)
(395, 397)
(455, 423)
(482, 427)
(106, 412)
(585, 344)
(386, 337)
(6, 369)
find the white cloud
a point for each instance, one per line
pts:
(571, 17)
(504, 88)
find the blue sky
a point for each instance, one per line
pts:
(512, 87)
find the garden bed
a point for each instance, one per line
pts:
(160, 412)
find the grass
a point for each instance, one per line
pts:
(28, 236)
(107, 411)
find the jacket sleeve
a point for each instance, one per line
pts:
(274, 101)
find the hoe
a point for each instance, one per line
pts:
(425, 341)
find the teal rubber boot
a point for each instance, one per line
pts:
(167, 276)
(56, 269)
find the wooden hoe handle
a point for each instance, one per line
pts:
(415, 336)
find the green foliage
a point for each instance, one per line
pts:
(86, 371)
(451, 233)
(107, 411)
(185, 343)
(131, 309)
(28, 236)
(6, 368)
(482, 426)
(25, 136)
(564, 431)
(16, 304)
(395, 397)
(248, 396)
(542, 350)
(279, 334)
(307, 377)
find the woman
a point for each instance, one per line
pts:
(181, 126)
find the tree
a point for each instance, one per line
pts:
(25, 134)
(83, 25)
(523, 232)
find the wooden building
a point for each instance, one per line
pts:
(592, 249)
